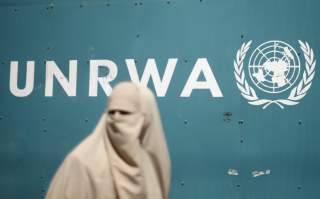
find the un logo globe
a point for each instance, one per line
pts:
(274, 66)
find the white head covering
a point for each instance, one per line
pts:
(125, 157)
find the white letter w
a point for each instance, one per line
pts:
(151, 70)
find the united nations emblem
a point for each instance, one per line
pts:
(274, 67)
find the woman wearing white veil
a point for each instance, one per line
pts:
(125, 157)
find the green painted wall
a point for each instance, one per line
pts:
(206, 136)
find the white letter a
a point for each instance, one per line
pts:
(210, 82)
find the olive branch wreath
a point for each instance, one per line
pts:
(296, 94)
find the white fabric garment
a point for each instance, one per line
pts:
(125, 157)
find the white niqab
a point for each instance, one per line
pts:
(125, 157)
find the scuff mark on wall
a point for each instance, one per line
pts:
(260, 173)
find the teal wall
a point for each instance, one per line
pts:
(206, 135)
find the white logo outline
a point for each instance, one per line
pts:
(296, 94)
(288, 54)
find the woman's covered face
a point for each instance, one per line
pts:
(124, 101)
(118, 113)
(125, 116)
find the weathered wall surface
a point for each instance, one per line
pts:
(211, 131)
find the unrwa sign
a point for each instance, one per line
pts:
(274, 68)
(68, 82)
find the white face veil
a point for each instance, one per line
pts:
(125, 157)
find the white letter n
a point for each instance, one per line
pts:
(52, 70)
